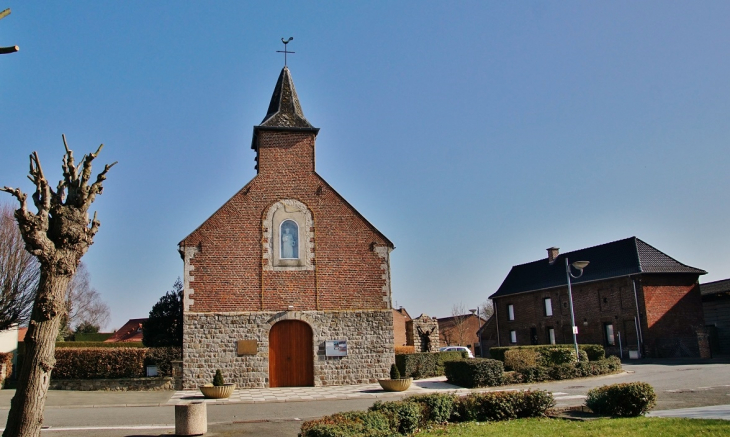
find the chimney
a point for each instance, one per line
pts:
(553, 253)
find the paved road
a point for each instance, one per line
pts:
(679, 384)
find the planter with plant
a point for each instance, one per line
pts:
(218, 389)
(395, 383)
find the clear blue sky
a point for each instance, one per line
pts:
(472, 134)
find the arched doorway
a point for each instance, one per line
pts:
(291, 355)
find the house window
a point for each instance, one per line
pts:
(513, 336)
(548, 306)
(608, 330)
(510, 312)
(551, 335)
(289, 236)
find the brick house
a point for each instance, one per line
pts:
(630, 297)
(716, 307)
(400, 319)
(286, 284)
(460, 331)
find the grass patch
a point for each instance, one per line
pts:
(639, 426)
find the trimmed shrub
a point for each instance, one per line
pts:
(424, 365)
(475, 372)
(605, 366)
(517, 359)
(399, 350)
(534, 374)
(436, 407)
(565, 371)
(95, 336)
(593, 351)
(394, 373)
(403, 416)
(555, 356)
(99, 363)
(627, 399)
(504, 405)
(350, 424)
(162, 357)
(218, 379)
(98, 344)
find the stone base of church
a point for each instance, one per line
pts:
(210, 342)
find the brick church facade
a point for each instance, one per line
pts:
(286, 284)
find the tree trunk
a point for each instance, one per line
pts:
(26, 408)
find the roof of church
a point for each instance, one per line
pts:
(284, 108)
(611, 260)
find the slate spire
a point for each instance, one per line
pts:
(284, 108)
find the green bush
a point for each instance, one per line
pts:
(534, 374)
(555, 356)
(99, 363)
(91, 336)
(424, 365)
(162, 358)
(218, 379)
(350, 424)
(593, 351)
(627, 399)
(403, 416)
(394, 373)
(437, 407)
(565, 371)
(517, 359)
(98, 344)
(604, 366)
(504, 405)
(475, 372)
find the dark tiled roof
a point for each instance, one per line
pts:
(284, 108)
(717, 287)
(610, 260)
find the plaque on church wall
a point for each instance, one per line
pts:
(336, 348)
(247, 347)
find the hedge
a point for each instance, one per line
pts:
(425, 365)
(404, 417)
(627, 399)
(594, 351)
(78, 344)
(565, 371)
(475, 372)
(106, 363)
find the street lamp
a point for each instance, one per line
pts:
(578, 265)
(479, 336)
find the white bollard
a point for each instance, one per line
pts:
(191, 419)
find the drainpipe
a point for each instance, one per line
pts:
(638, 319)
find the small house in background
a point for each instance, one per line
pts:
(400, 319)
(716, 306)
(631, 297)
(129, 332)
(461, 331)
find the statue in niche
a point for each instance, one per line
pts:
(289, 240)
(425, 339)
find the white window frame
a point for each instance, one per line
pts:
(510, 312)
(551, 335)
(548, 302)
(513, 336)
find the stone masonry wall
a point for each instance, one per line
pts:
(210, 342)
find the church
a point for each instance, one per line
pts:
(286, 284)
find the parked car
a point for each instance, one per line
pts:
(457, 349)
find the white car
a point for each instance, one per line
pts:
(457, 349)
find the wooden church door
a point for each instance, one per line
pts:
(291, 355)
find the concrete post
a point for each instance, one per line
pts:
(191, 419)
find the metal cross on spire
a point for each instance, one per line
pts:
(285, 51)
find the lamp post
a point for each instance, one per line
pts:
(578, 265)
(479, 336)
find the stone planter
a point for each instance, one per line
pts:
(395, 384)
(220, 392)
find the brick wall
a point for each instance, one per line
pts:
(400, 317)
(226, 272)
(460, 331)
(669, 327)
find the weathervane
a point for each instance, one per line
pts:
(285, 51)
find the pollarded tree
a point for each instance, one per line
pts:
(164, 327)
(58, 235)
